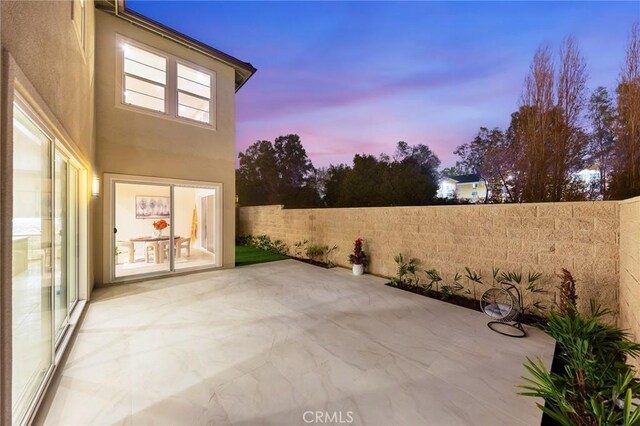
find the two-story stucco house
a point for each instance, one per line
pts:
(470, 188)
(117, 145)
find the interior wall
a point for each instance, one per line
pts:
(185, 200)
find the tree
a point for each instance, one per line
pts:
(295, 172)
(569, 140)
(278, 173)
(257, 177)
(601, 145)
(421, 153)
(546, 136)
(336, 176)
(451, 171)
(408, 179)
(626, 178)
(532, 136)
(488, 155)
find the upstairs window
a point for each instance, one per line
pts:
(145, 78)
(164, 85)
(194, 94)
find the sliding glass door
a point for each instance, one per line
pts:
(195, 223)
(32, 261)
(142, 229)
(162, 227)
(45, 254)
(65, 240)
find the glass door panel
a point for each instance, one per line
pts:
(194, 217)
(72, 236)
(141, 247)
(32, 262)
(60, 298)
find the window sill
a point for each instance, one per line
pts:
(166, 116)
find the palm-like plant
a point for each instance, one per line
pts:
(597, 386)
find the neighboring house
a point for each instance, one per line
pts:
(110, 122)
(470, 187)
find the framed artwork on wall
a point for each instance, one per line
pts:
(152, 207)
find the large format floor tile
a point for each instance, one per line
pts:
(264, 344)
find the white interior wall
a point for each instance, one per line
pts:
(130, 227)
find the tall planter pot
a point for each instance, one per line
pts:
(358, 269)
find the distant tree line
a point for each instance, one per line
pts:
(558, 130)
(281, 173)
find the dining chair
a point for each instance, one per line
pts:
(183, 243)
(151, 249)
(129, 247)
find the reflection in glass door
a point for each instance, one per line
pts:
(60, 244)
(32, 262)
(45, 253)
(73, 236)
(194, 219)
(142, 229)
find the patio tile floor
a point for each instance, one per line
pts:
(264, 344)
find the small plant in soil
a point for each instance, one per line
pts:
(406, 271)
(567, 289)
(327, 256)
(299, 248)
(316, 252)
(453, 288)
(531, 287)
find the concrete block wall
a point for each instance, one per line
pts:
(544, 237)
(629, 317)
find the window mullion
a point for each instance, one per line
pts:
(172, 84)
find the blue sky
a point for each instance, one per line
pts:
(356, 77)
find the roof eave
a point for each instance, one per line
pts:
(243, 70)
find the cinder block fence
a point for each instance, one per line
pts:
(599, 242)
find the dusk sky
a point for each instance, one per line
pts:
(356, 77)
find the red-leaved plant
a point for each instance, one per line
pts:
(358, 257)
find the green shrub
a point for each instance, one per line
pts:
(316, 251)
(597, 386)
(264, 242)
(300, 248)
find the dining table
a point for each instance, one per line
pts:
(155, 242)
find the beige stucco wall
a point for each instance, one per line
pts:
(582, 237)
(465, 191)
(41, 38)
(136, 143)
(630, 268)
(43, 57)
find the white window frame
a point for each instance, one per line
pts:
(171, 87)
(109, 211)
(121, 92)
(212, 91)
(32, 107)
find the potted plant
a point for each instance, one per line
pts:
(158, 226)
(358, 258)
